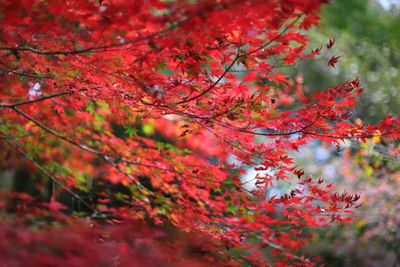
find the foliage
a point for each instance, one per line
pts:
(128, 113)
(368, 40)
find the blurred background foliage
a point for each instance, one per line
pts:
(367, 34)
(368, 41)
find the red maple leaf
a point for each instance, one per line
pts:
(331, 42)
(333, 60)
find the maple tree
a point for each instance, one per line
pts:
(135, 109)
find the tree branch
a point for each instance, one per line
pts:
(48, 174)
(5, 105)
(27, 74)
(105, 47)
(214, 84)
(238, 55)
(105, 157)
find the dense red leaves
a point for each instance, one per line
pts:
(80, 244)
(151, 110)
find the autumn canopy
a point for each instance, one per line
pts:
(135, 120)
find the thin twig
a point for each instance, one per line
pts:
(172, 27)
(214, 84)
(235, 59)
(13, 105)
(23, 73)
(84, 147)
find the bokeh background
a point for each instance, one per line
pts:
(367, 34)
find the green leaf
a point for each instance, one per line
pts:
(163, 68)
(90, 107)
(148, 129)
(131, 131)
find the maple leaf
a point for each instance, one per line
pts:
(54, 205)
(299, 173)
(331, 42)
(333, 60)
(316, 51)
